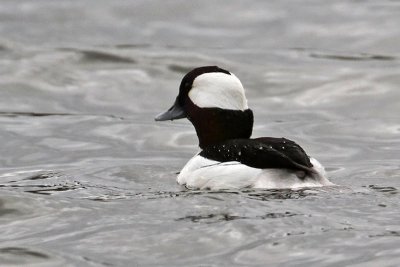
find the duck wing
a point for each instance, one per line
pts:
(261, 153)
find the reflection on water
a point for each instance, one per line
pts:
(88, 179)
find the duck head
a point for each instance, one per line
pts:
(214, 101)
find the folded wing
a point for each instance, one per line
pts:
(262, 153)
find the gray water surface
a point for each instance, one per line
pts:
(87, 178)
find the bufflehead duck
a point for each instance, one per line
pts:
(214, 101)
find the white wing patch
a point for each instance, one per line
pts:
(217, 89)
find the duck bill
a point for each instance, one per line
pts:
(173, 113)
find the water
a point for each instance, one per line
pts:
(87, 178)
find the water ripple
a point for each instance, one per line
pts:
(214, 218)
(31, 184)
(92, 56)
(359, 57)
(26, 256)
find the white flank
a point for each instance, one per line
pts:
(202, 173)
(217, 89)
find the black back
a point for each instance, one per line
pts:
(262, 153)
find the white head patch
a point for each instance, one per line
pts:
(218, 89)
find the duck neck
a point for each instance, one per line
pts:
(215, 125)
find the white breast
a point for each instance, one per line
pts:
(202, 173)
(217, 89)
